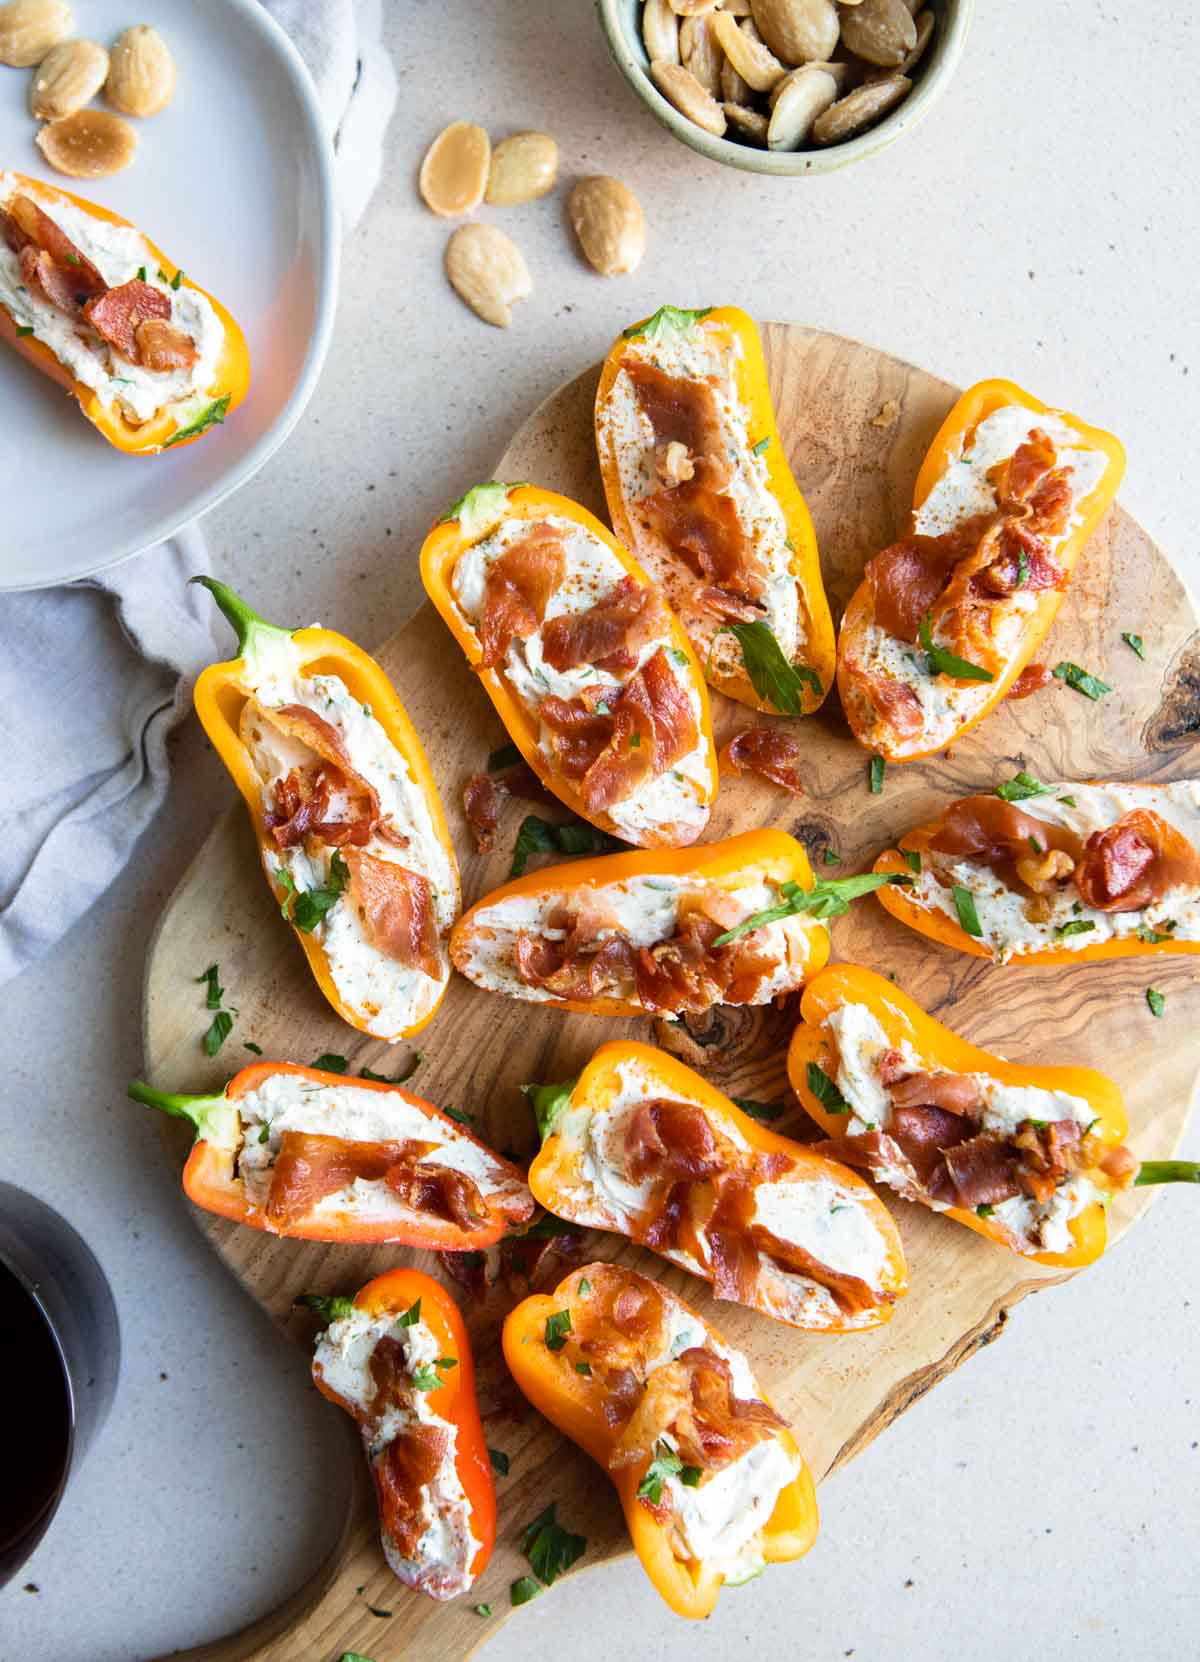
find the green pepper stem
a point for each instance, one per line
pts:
(246, 622)
(1167, 1171)
(211, 1115)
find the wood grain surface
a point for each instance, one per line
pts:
(856, 424)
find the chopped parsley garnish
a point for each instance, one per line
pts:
(1021, 787)
(218, 1032)
(406, 1072)
(1156, 1000)
(678, 657)
(177, 280)
(964, 905)
(549, 1228)
(264, 1135)
(776, 681)
(287, 883)
(940, 662)
(445, 1363)
(411, 1316)
(826, 899)
(424, 1378)
(585, 1368)
(757, 449)
(249, 1044)
(1037, 846)
(558, 1325)
(875, 772)
(1077, 926)
(141, 274)
(542, 836)
(635, 741)
(548, 1103)
(523, 1589)
(311, 905)
(378, 1610)
(1091, 686)
(329, 1309)
(24, 329)
(984, 1210)
(765, 1111)
(215, 991)
(829, 858)
(585, 1288)
(72, 259)
(1155, 937)
(549, 1547)
(666, 1463)
(1069, 800)
(912, 858)
(1022, 568)
(825, 1091)
(330, 1062)
(482, 1609)
(1135, 643)
(162, 276)
(459, 1114)
(499, 1461)
(507, 756)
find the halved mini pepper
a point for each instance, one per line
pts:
(1059, 873)
(414, 1390)
(931, 1140)
(564, 935)
(624, 739)
(651, 1392)
(946, 578)
(417, 1177)
(738, 565)
(164, 431)
(641, 1144)
(405, 902)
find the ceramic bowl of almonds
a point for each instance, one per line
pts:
(787, 86)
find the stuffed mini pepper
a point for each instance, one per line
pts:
(948, 618)
(151, 359)
(631, 934)
(1029, 1156)
(1037, 873)
(642, 1145)
(326, 1157)
(588, 670)
(398, 1360)
(709, 1476)
(699, 488)
(349, 823)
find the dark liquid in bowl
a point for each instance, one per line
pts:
(38, 1415)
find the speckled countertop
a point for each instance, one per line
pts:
(1041, 224)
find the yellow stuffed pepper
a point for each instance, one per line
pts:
(699, 487)
(709, 1476)
(589, 671)
(349, 825)
(152, 360)
(947, 619)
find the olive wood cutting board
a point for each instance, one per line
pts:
(856, 424)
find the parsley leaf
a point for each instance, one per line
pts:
(425, 1378)
(215, 991)
(829, 858)
(1156, 1000)
(549, 1547)
(1022, 568)
(825, 1091)
(523, 1589)
(249, 1044)
(1135, 643)
(141, 274)
(330, 1062)
(507, 756)
(406, 1072)
(1091, 686)
(222, 1026)
(1021, 787)
(1155, 937)
(875, 771)
(411, 1316)
(482, 1609)
(761, 446)
(776, 681)
(940, 662)
(585, 1368)
(499, 1461)
(765, 1111)
(329, 1309)
(558, 1325)
(548, 1103)
(542, 836)
(311, 905)
(964, 905)
(177, 280)
(912, 858)
(460, 1115)
(826, 899)
(666, 1463)
(1077, 926)
(984, 1210)
(24, 329)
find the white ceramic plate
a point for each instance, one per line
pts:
(234, 183)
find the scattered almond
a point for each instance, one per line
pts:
(660, 31)
(860, 109)
(488, 271)
(608, 220)
(681, 88)
(141, 75)
(29, 28)
(523, 167)
(701, 54)
(68, 77)
(750, 123)
(805, 95)
(733, 89)
(798, 31)
(881, 32)
(454, 173)
(693, 8)
(88, 145)
(754, 62)
(925, 25)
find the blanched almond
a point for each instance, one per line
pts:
(879, 31)
(860, 109)
(608, 220)
(454, 173)
(692, 8)
(29, 28)
(141, 74)
(701, 54)
(681, 88)
(488, 271)
(925, 22)
(733, 89)
(798, 31)
(839, 71)
(524, 167)
(68, 77)
(90, 144)
(807, 92)
(747, 123)
(660, 31)
(754, 62)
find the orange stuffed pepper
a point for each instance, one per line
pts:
(709, 1476)
(152, 360)
(698, 486)
(1037, 873)
(589, 671)
(398, 1360)
(1029, 1156)
(631, 934)
(642, 1145)
(349, 824)
(328, 1157)
(946, 620)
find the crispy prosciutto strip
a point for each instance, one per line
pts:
(41, 275)
(653, 727)
(26, 225)
(991, 832)
(483, 800)
(771, 752)
(673, 1138)
(608, 634)
(729, 606)
(700, 524)
(310, 1167)
(330, 801)
(517, 587)
(680, 410)
(396, 909)
(117, 313)
(1033, 678)
(692, 1399)
(439, 1192)
(162, 347)
(1134, 862)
